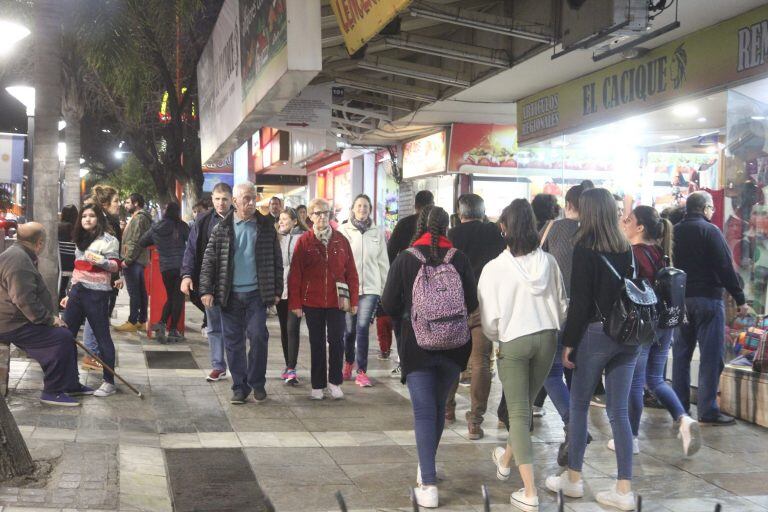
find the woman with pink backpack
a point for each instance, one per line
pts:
(431, 287)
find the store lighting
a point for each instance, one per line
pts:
(118, 155)
(62, 124)
(758, 118)
(10, 34)
(106, 130)
(84, 172)
(25, 95)
(62, 152)
(82, 161)
(702, 119)
(685, 110)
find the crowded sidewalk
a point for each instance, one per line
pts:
(131, 454)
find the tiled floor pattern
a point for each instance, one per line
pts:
(301, 452)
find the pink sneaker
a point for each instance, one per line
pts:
(346, 373)
(284, 375)
(362, 380)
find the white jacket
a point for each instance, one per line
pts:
(521, 295)
(287, 246)
(370, 253)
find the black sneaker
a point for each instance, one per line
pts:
(238, 398)
(259, 394)
(174, 336)
(722, 420)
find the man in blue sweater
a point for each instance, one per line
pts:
(701, 251)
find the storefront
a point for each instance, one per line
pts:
(689, 115)
(424, 168)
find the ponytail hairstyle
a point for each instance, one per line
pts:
(433, 220)
(657, 229)
(83, 238)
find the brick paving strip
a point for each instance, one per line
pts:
(113, 453)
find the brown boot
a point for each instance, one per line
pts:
(475, 431)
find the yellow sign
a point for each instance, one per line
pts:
(360, 20)
(706, 60)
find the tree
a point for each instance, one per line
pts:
(73, 110)
(15, 459)
(133, 177)
(137, 52)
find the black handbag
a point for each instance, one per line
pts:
(633, 318)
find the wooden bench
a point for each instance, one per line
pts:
(5, 367)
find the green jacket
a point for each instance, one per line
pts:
(137, 226)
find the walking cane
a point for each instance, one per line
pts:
(110, 370)
(486, 498)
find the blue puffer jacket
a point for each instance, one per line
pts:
(170, 239)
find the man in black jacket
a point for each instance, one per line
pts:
(481, 242)
(242, 272)
(401, 236)
(199, 235)
(701, 251)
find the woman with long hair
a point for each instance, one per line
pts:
(522, 305)
(545, 208)
(97, 257)
(291, 228)
(589, 350)
(369, 248)
(322, 272)
(429, 374)
(651, 239)
(169, 236)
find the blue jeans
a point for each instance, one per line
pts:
(706, 325)
(137, 291)
(215, 342)
(649, 372)
(89, 339)
(555, 385)
(597, 351)
(92, 305)
(246, 316)
(356, 333)
(429, 387)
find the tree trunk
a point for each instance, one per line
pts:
(72, 165)
(15, 459)
(47, 79)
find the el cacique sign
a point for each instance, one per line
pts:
(709, 59)
(360, 20)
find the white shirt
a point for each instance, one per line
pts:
(521, 295)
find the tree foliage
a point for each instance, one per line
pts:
(132, 177)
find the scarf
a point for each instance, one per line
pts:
(426, 239)
(361, 225)
(324, 236)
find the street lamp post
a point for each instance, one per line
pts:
(26, 96)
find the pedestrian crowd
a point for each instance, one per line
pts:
(544, 286)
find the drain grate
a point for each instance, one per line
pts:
(176, 360)
(213, 479)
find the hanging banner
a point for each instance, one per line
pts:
(261, 54)
(360, 20)
(11, 158)
(706, 60)
(477, 148)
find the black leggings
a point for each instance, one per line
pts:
(289, 333)
(174, 302)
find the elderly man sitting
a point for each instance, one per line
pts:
(28, 319)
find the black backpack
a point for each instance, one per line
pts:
(669, 285)
(632, 319)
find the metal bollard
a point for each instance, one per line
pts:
(341, 502)
(718, 507)
(639, 505)
(560, 501)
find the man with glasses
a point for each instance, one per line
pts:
(242, 272)
(701, 251)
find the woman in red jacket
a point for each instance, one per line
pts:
(322, 264)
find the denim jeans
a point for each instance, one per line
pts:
(597, 351)
(92, 305)
(215, 341)
(137, 291)
(89, 339)
(246, 317)
(326, 327)
(555, 385)
(649, 372)
(429, 388)
(706, 325)
(357, 331)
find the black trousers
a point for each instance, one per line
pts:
(194, 298)
(174, 301)
(289, 333)
(326, 326)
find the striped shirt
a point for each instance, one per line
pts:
(97, 276)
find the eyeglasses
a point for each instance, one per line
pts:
(710, 206)
(321, 213)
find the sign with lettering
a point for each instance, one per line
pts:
(709, 59)
(360, 20)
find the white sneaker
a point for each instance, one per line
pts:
(106, 389)
(690, 434)
(501, 473)
(336, 391)
(613, 498)
(520, 500)
(557, 482)
(426, 496)
(635, 446)
(418, 474)
(316, 394)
